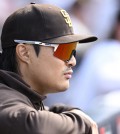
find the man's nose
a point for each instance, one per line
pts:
(71, 62)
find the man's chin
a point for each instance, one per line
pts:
(63, 88)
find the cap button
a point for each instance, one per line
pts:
(32, 3)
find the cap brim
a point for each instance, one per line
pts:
(71, 38)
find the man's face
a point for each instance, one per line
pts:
(46, 73)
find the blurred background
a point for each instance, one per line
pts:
(95, 85)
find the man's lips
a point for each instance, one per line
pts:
(68, 74)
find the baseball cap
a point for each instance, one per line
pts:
(40, 22)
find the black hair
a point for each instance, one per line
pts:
(8, 59)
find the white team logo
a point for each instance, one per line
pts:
(67, 18)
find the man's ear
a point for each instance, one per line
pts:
(22, 52)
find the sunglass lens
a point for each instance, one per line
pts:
(65, 51)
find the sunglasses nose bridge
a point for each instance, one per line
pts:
(71, 62)
(73, 53)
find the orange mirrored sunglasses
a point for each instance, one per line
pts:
(61, 51)
(65, 51)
